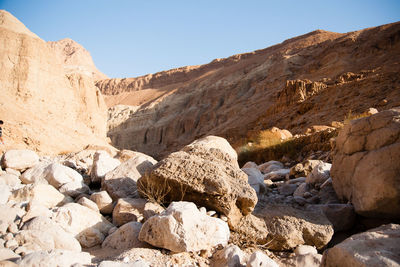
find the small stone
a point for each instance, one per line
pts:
(307, 195)
(224, 218)
(203, 210)
(305, 249)
(211, 213)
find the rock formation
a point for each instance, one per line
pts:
(45, 104)
(312, 79)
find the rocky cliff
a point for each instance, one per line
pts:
(312, 79)
(45, 104)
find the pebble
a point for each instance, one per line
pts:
(307, 195)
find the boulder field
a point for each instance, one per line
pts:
(194, 207)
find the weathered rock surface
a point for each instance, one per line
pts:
(125, 237)
(208, 177)
(128, 209)
(102, 164)
(121, 182)
(32, 74)
(366, 169)
(36, 174)
(61, 258)
(230, 256)
(58, 175)
(288, 227)
(103, 202)
(182, 227)
(87, 226)
(20, 159)
(43, 194)
(260, 259)
(255, 179)
(312, 79)
(376, 247)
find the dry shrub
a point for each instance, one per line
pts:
(353, 116)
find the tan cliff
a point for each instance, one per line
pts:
(43, 106)
(309, 80)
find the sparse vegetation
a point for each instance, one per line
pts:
(353, 116)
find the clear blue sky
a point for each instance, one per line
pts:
(128, 38)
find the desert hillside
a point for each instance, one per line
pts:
(313, 79)
(48, 99)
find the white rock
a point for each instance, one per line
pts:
(57, 257)
(58, 175)
(277, 175)
(102, 164)
(35, 209)
(20, 159)
(136, 263)
(319, 174)
(44, 194)
(270, 166)
(7, 216)
(259, 259)
(255, 179)
(11, 180)
(103, 202)
(230, 256)
(88, 203)
(121, 182)
(215, 142)
(5, 193)
(74, 189)
(182, 227)
(8, 254)
(88, 226)
(128, 209)
(35, 240)
(250, 164)
(305, 249)
(36, 174)
(125, 237)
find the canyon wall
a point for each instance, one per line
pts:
(312, 79)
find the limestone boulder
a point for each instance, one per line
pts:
(287, 227)
(255, 179)
(121, 182)
(87, 226)
(5, 193)
(230, 256)
(103, 202)
(319, 173)
(20, 159)
(182, 227)
(260, 259)
(61, 239)
(128, 209)
(11, 180)
(36, 174)
(102, 164)
(44, 194)
(56, 257)
(7, 216)
(342, 216)
(9, 255)
(366, 167)
(304, 168)
(33, 240)
(84, 201)
(36, 209)
(277, 175)
(125, 237)
(58, 175)
(206, 176)
(74, 188)
(270, 166)
(376, 247)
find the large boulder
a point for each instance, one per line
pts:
(103, 202)
(205, 175)
(43, 194)
(376, 247)
(121, 182)
(366, 167)
(20, 159)
(57, 257)
(58, 175)
(182, 227)
(102, 164)
(36, 174)
(61, 239)
(287, 227)
(125, 237)
(86, 225)
(127, 210)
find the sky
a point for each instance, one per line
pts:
(130, 38)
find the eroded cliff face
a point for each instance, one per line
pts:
(312, 79)
(44, 107)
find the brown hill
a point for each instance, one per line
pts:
(312, 79)
(44, 107)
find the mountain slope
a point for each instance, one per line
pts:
(44, 107)
(312, 79)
